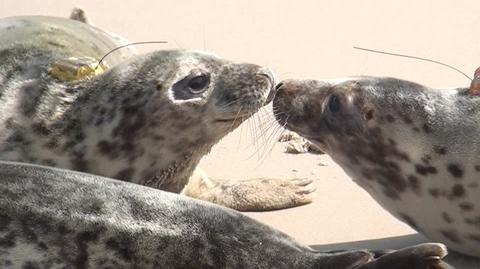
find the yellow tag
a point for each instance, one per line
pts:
(74, 68)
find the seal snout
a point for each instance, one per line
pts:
(268, 75)
(292, 102)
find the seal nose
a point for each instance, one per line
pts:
(286, 87)
(279, 85)
(270, 76)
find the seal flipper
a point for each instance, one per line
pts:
(422, 256)
(344, 260)
(258, 194)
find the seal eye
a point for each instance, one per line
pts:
(198, 83)
(334, 104)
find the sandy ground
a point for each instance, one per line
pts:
(301, 39)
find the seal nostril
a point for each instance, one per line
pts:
(267, 76)
(279, 85)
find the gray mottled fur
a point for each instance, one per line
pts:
(127, 123)
(54, 218)
(413, 148)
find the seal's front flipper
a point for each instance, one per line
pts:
(423, 256)
(344, 260)
(251, 195)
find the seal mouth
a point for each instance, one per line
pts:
(238, 118)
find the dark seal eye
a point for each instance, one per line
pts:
(198, 84)
(334, 103)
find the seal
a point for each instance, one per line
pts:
(148, 119)
(55, 218)
(414, 149)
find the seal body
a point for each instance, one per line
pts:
(412, 148)
(55, 218)
(148, 119)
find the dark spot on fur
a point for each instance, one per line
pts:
(122, 247)
(141, 210)
(52, 143)
(426, 159)
(63, 229)
(409, 220)
(477, 168)
(465, 206)
(125, 174)
(434, 192)
(81, 240)
(369, 114)
(425, 170)
(447, 217)
(48, 162)
(40, 128)
(475, 221)
(27, 225)
(107, 148)
(458, 191)
(79, 163)
(159, 137)
(451, 235)
(30, 265)
(95, 206)
(10, 123)
(130, 124)
(390, 118)
(414, 183)
(55, 44)
(426, 128)
(8, 240)
(406, 118)
(474, 237)
(440, 150)
(4, 222)
(455, 170)
(33, 93)
(416, 129)
(42, 246)
(367, 174)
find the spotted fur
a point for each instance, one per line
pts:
(54, 218)
(137, 122)
(413, 148)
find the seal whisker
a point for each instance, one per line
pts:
(227, 105)
(279, 130)
(272, 138)
(235, 119)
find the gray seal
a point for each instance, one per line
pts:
(54, 218)
(414, 149)
(147, 119)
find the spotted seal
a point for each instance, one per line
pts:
(55, 218)
(148, 119)
(414, 149)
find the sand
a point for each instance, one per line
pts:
(301, 39)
